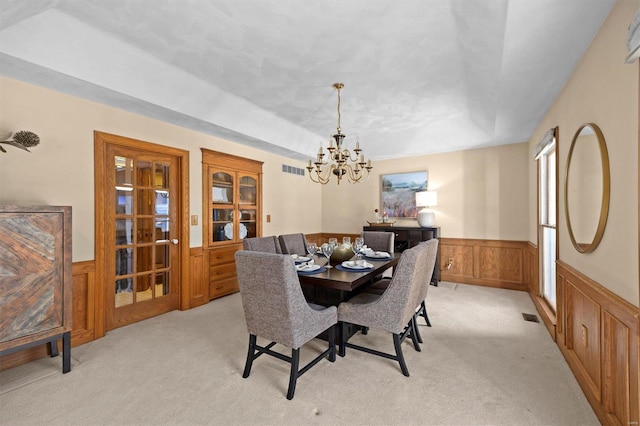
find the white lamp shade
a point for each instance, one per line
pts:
(426, 198)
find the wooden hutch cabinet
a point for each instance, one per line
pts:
(232, 211)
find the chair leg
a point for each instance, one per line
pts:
(415, 324)
(295, 360)
(397, 345)
(332, 343)
(343, 338)
(415, 334)
(423, 312)
(250, 352)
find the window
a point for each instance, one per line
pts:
(547, 225)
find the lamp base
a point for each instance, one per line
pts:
(426, 218)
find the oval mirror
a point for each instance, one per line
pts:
(587, 188)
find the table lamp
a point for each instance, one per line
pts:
(426, 199)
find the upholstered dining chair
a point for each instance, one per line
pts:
(263, 244)
(427, 261)
(392, 311)
(293, 243)
(275, 309)
(379, 240)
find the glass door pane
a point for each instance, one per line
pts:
(142, 224)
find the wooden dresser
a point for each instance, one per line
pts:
(35, 279)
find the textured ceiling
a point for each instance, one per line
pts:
(421, 76)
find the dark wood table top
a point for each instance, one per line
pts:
(347, 280)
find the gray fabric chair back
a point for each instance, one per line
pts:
(396, 306)
(426, 263)
(293, 244)
(273, 303)
(379, 240)
(263, 244)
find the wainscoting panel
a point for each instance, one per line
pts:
(198, 280)
(84, 314)
(583, 333)
(598, 335)
(492, 263)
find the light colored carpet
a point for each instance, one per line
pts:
(481, 364)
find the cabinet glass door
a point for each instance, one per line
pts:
(222, 205)
(248, 189)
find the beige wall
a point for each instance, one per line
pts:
(60, 170)
(481, 193)
(603, 90)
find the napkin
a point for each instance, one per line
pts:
(305, 266)
(378, 254)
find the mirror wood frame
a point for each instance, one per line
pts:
(606, 183)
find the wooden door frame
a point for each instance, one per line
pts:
(101, 140)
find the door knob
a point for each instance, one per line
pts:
(174, 241)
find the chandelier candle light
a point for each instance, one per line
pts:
(340, 157)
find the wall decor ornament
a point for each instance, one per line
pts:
(23, 139)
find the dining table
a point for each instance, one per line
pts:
(334, 285)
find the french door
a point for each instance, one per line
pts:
(141, 234)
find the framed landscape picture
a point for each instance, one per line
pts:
(398, 193)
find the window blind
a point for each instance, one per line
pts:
(545, 143)
(633, 39)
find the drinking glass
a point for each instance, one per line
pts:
(346, 241)
(312, 248)
(359, 242)
(327, 250)
(333, 242)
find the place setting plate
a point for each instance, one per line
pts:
(306, 269)
(377, 255)
(300, 259)
(351, 266)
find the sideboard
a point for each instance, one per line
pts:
(410, 236)
(35, 279)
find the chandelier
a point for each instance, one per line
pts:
(340, 164)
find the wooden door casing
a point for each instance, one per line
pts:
(102, 163)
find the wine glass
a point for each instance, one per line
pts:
(333, 242)
(359, 242)
(327, 250)
(346, 241)
(312, 248)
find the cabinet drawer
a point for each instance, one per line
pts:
(222, 256)
(220, 288)
(222, 272)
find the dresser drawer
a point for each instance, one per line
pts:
(222, 256)
(221, 288)
(222, 272)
